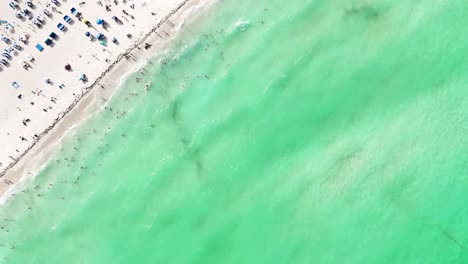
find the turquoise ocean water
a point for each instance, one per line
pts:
(298, 131)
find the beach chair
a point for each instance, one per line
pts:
(24, 64)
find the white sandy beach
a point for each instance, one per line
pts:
(36, 115)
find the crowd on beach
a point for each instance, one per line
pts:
(68, 48)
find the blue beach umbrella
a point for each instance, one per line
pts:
(99, 21)
(87, 34)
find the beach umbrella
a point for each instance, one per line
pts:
(67, 19)
(61, 26)
(39, 47)
(87, 34)
(99, 21)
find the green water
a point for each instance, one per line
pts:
(298, 131)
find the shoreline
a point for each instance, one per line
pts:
(37, 154)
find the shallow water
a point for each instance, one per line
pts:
(275, 132)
